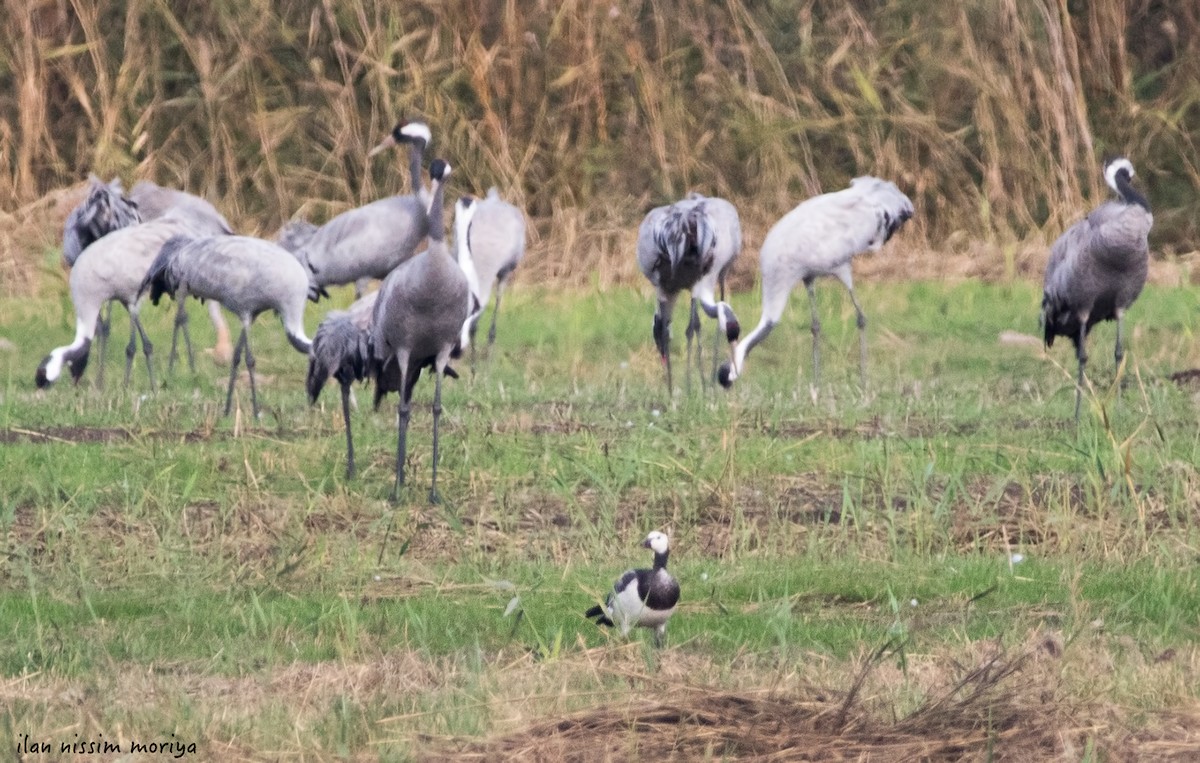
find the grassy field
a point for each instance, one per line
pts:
(941, 564)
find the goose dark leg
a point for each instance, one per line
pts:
(816, 332)
(437, 416)
(147, 350)
(349, 435)
(233, 366)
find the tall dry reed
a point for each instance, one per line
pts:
(992, 114)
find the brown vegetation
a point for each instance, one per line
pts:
(993, 116)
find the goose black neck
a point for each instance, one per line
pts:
(415, 158)
(660, 560)
(1129, 194)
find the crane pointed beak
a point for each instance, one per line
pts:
(385, 144)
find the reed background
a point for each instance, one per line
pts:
(993, 115)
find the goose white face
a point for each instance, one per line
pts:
(417, 130)
(1115, 166)
(657, 542)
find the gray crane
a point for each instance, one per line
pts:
(821, 236)
(248, 276)
(369, 241)
(154, 201)
(690, 244)
(111, 268)
(1097, 268)
(106, 209)
(494, 244)
(418, 318)
(342, 348)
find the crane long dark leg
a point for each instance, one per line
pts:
(437, 416)
(102, 331)
(816, 332)
(862, 339)
(717, 333)
(250, 363)
(693, 333)
(181, 324)
(1119, 352)
(471, 332)
(1081, 356)
(402, 431)
(233, 366)
(662, 337)
(147, 349)
(131, 348)
(495, 312)
(349, 434)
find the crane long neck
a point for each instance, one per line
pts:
(437, 220)
(415, 157)
(1129, 194)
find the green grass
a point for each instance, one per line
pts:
(147, 536)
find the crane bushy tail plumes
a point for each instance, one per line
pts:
(339, 349)
(294, 236)
(105, 210)
(162, 277)
(683, 234)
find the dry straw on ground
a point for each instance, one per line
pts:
(1005, 707)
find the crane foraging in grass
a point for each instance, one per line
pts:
(690, 244)
(111, 268)
(342, 348)
(246, 275)
(107, 209)
(493, 244)
(821, 236)
(1097, 268)
(418, 319)
(154, 201)
(369, 241)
